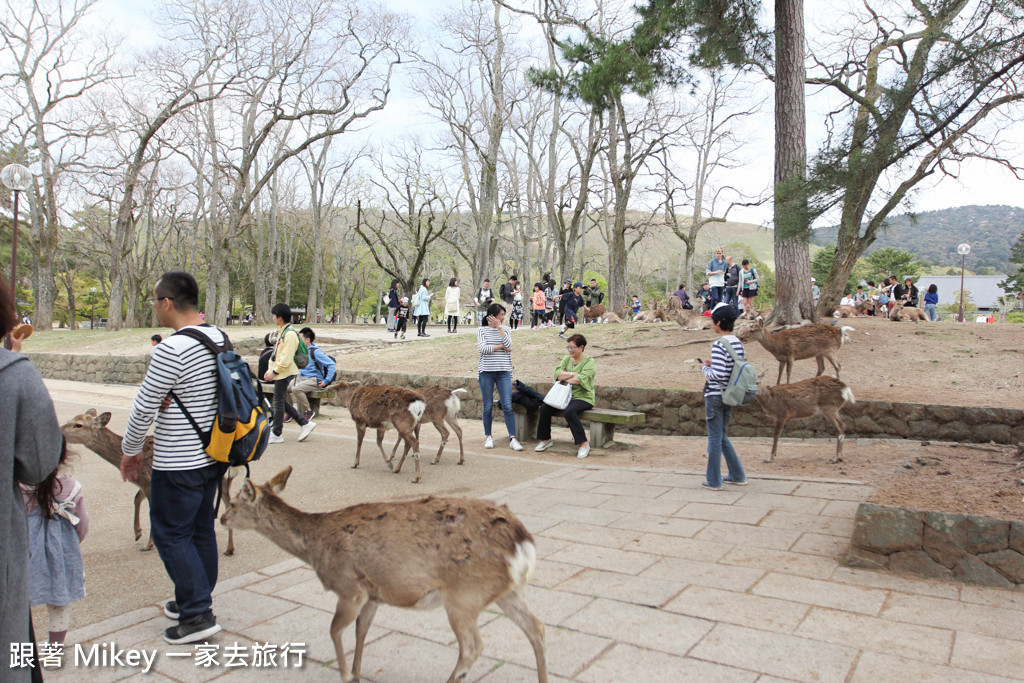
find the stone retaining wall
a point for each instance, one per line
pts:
(971, 548)
(667, 411)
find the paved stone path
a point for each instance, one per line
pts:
(643, 576)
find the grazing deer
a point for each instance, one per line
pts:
(902, 312)
(806, 398)
(594, 313)
(819, 341)
(462, 554)
(90, 430)
(443, 405)
(381, 407)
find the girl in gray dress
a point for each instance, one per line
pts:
(57, 524)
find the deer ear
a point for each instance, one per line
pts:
(280, 479)
(103, 419)
(248, 492)
(91, 411)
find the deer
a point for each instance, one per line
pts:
(381, 407)
(443, 405)
(594, 313)
(819, 341)
(90, 430)
(459, 553)
(902, 312)
(821, 395)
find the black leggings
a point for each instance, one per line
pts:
(281, 405)
(453, 323)
(421, 324)
(572, 416)
(537, 316)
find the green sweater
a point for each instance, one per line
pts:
(584, 391)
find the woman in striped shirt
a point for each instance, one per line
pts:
(495, 370)
(717, 371)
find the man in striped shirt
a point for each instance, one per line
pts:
(717, 371)
(185, 479)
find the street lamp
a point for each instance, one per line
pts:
(964, 249)
(92, 317)
(17, 178)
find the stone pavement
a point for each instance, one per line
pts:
(643, 576)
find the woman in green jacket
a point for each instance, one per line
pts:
(579, 371)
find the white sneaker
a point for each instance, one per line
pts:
(514, 444)
(275, 438)
(544, 445)
(583, 452)
(488, 442)
(306, 430)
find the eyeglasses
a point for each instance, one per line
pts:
(154, 299)
(570, 347)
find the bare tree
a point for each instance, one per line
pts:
(52, 64)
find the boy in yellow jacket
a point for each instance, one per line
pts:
(282, 369)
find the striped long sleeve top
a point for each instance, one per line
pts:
(186, 367)
(721, 364)
(490, 360)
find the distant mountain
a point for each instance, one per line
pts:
(990, 230)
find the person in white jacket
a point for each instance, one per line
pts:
(451, 304)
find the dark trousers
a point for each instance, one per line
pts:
(421, 324)
(572, 416)
(538, 317)
(181, 517)
(453, 323)
(400, 325)
(281, 405)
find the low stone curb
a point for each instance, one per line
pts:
(970, 548)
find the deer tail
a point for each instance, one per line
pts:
(847, 394)
(846, 330)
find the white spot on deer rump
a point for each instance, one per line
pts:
(520, 566)
(417, 408)
(848, 394)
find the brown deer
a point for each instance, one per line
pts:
(381, 407)
(443, 405)
(819, 341)
(806, 398)
(90, 430)
(594, 313)
(462, 554)
(901, 312)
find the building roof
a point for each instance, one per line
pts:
(984, 289)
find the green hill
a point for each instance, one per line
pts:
(934, 235)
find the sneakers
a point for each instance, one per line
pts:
(198, 629)
(306, 430)
(709, 486)
(544, 445)
(561, 336)
(309, 415)
(583, 452)
(287, 418)
(488, 442)
(403, 336)
(727, 480)
(171, 610)
(275, 438)
(514, 444)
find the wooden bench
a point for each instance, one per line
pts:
(314, 397)
(603, 422)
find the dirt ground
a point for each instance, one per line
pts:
(943, 363)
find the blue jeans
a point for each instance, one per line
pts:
(717, 294)
(503, 380)
(730, 296)
(717, 415)
(181, 518)
(930, 310)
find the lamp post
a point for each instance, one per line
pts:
(964, 249)
(92, 316)
(17, 178)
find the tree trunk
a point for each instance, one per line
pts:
(792, 222)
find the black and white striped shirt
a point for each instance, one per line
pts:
(721, 364)
(183, 365)
(490, 360)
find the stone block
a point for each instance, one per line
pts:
(944, 414)
(858, 557)
(1017, 536)
(918, 562)
(986, 535)
(978, 416)
(1007, 562)
(945, 537)
(999, 433)
(953, 431)
(909, 412)
(886, 529)
(893, 426)
(866, 426)
(973, 570)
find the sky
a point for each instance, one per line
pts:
(977, 182)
